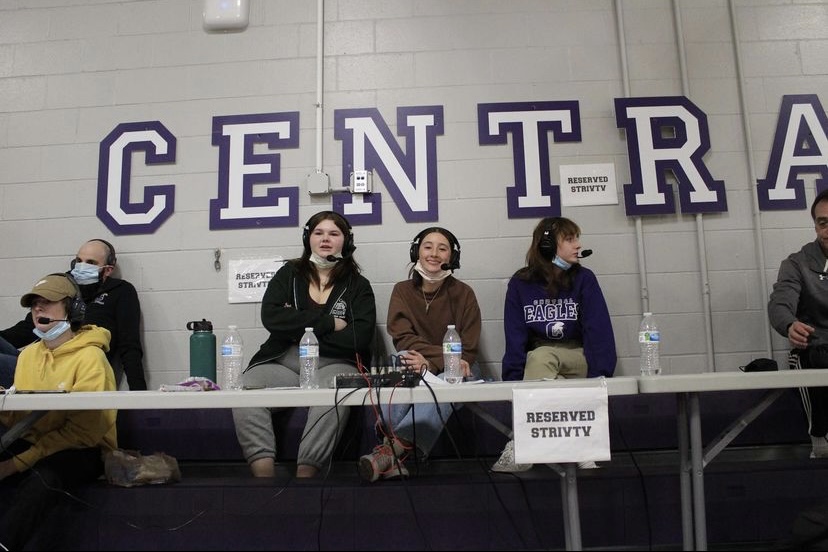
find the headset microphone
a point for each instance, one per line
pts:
(584, 253)
(445, 266)
(333, 259)
(44, 320)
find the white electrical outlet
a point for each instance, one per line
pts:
(361, 183)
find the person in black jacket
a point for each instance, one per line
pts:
(111, 303)
(323, 290)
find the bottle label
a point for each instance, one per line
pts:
(452, 347)
(231, 350)
(308, 350)
(649, 337)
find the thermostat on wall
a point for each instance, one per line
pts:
(226, 15)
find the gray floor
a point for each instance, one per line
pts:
(754, 495)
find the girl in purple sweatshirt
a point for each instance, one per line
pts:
(555, 318)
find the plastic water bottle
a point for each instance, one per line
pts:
(232, 359)
(649, 339)
(452, 351)
(309, 361)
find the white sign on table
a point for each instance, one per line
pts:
(561, 425)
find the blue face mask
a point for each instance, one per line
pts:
(54, 332)
(85, 273)
(560, 263)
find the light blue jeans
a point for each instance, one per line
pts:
(421, 424)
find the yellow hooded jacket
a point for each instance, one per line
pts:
(80, 364)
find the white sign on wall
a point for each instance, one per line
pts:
(588, 184)
(247, 279)
(561, 425)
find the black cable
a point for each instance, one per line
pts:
(322, 499)
(405, 483)
(488, 472)
(640, 473)
(327, 471)
(306, 431)
(388, 427)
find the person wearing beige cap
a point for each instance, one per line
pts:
(111, 303)
(64, 448)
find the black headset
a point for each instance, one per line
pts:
(347, 248)
(454, 260)
(77, 308)
(111, 259)
(548, 244)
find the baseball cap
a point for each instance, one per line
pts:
(53, 287)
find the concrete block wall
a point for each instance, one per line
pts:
(71, 71)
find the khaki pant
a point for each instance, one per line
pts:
(562, 360)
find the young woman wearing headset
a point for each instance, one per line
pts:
(322, 289)
(555, 318)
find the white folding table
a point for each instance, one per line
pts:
(466, 393)
(693, 456)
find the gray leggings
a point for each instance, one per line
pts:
(254, 426)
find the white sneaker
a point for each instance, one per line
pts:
(506, 462)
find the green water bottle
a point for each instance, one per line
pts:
(202, 349)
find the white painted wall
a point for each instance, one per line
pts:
(71, 70)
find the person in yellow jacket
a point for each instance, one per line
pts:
(64, 448)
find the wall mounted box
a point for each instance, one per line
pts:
(226, 15)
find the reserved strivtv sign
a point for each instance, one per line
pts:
(667, 138)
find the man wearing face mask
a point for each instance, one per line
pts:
(111, 303)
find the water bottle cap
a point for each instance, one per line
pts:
(451, 325)
(232, 327)
(648, 314)
(308, 329)
(202, 325)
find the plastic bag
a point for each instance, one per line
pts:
(129, 468)
(193, 383)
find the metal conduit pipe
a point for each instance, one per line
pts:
(757, 220)
(702, 247)
(639, 227)
(320, 54)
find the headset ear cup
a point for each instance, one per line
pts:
(547, 247)
(77, 311)
(548, 244)
(77, 308)
(348, 248)
(455, 257)
(414, 250)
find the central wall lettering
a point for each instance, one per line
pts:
(667, 137)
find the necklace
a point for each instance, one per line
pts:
(428, 302)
